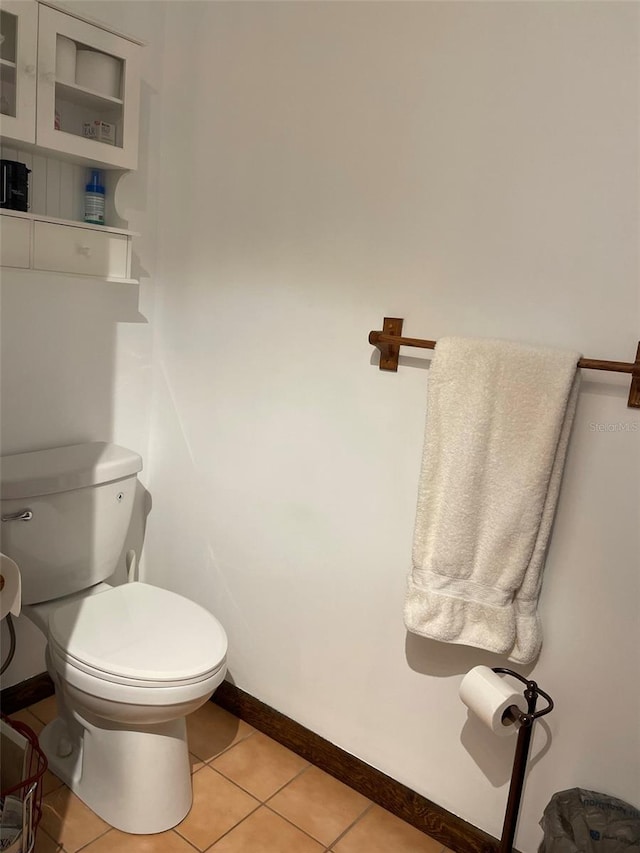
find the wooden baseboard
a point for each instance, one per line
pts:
(445, 827)
(26, 693)
(450, 830)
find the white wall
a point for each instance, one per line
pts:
(472, 167)
(76, 353)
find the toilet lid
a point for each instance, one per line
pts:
(140, 632)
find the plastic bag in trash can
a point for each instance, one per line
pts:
(579, 821)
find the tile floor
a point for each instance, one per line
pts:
(250, 795)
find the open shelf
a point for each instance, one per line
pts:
(86, 97)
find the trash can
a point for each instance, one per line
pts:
(580, 821)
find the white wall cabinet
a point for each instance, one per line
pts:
(59, 73)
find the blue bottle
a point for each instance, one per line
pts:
(94, 199)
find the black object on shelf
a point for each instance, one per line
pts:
(14, 185)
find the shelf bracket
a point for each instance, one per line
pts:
(389, 353)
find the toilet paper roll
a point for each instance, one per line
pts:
(10, 587)
(489, 696)
(65, 59)
(98, 72)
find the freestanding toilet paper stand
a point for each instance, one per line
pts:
(525, 722)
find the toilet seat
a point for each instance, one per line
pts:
(137, 636)
(69, 661)
(93, 686)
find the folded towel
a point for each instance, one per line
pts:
(499, 418)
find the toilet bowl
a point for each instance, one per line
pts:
(128, 664)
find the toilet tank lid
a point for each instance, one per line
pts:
(61, 469)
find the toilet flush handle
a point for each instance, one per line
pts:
(21, 515)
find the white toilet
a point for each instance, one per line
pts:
(128, 662)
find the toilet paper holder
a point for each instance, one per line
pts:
(525, 721)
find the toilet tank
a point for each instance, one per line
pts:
(80, 500)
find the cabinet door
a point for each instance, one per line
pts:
(18, 28)
(88, 83)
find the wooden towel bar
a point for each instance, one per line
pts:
(390, 339)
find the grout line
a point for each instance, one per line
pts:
(38, 718)
(222, 751)
(251, 793)
(227, 748)
(294, 825)
(53, 790)
(282, 787)
(182, 838)
(351, 826)
(102, 834)
(44, 832)
(237, 785)
(31, 711)
(235, 826)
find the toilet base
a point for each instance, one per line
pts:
(137, 780)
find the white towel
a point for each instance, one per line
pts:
(498, 424)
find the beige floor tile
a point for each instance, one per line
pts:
(379, 832)
(50, 782)
(46, 710)
(46, 844)
(121, 842)
(29, 719)
(266, 832)
(67, 820)
(218, 805)
(211, 730)
(319, 804)
(259, 765)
